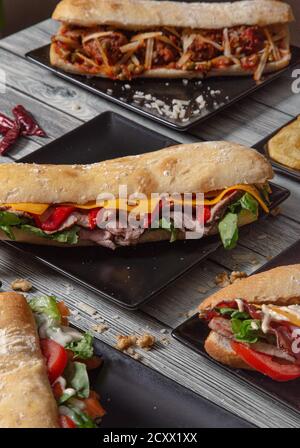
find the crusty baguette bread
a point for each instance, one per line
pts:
(219, 348)
(26, 399)
(193, 168)
(234, 70)
(280, 285)
(137, 14)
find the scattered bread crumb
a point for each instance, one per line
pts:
(223, 279)
(87, 308)
(20, 284)
(146, 341)
(100, 328)
(165, 341)
(124, 342)
(235, 275)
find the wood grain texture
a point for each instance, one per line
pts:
(60, 107)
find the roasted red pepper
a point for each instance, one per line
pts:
(206, 213)
(93, 218)
(56, 219)
(10, 138)
(6, 124)
(28, 124)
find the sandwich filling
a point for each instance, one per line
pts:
(69, 356)
(266, 337)
(123, 55)
(224, 211)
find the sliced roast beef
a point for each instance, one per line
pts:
(218, 210)
(222, 326)
(101, 237)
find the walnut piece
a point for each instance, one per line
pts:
(124, 342)
(146, 341)
(20, 284)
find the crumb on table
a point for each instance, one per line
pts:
(20, 284)
(124, 342)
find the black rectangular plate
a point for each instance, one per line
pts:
(194, 331)
(135, 396)
(231, 89)
(261, 146)
(128, 276)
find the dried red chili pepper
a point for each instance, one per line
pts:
(27, 122)
(10, 138)
(6, 124)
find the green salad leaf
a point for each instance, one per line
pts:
(7, 220)
(81, 419)
(246, 202)
(228, 229)
(46, 305)
(169, 225)
(77, 378)
(243, 330)
(82, 349)
(69, 236)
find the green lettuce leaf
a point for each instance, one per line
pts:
(77, 378)
(233, 312)
(69, 236)
(243, 331)
(82, 349)
(7, 220)
(81, 419)
(246, 202)
(46, 305)
(168, 225)
(228, 229)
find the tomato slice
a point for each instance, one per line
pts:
(56, 358)
(66, 422)
(266, 364)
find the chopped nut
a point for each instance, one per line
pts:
(21, 284)
(124, 342)
(100, 328)
(146, 341)
(235, 275)
(222, 279)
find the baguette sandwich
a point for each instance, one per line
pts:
(59, 204)
(43, 367)
(255, 323)
(124, 39)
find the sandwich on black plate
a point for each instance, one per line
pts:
(123, 39)
(65, 204)
(255, 323)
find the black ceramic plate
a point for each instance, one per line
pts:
(127, 276)
(263, 149)
(135, 396)
(217, 92)
(193, 333)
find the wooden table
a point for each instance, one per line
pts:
(60, 107)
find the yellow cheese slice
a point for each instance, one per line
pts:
(143, 206)
(292, 317)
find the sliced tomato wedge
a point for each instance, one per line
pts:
(266, 364)
(66, 422)
(56, 358)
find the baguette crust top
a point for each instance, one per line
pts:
(137, 14)
(26, 399)
(280, 286)
(187, 168)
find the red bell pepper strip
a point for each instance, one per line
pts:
(56, 219)
(56, 358)
(93, 218)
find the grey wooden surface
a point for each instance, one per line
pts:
(61, 107)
